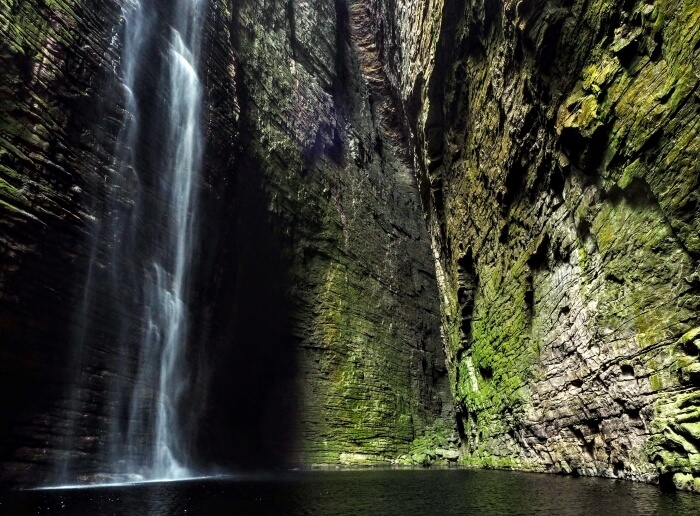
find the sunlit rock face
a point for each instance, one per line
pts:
(557, 147)
(312, 302)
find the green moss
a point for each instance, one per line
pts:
(641, 281)
(29, 24)
(430, 448)
(494, 462)
(29, 121)
(492, 375)
(676, 425)
(502, 349)
(629, 140)
(370, 412)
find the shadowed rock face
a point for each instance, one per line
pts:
(52, 150)
(557, 147)
(314, 303)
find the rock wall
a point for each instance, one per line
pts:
(315, 301)
(557, 145)
(54, 59)
(370, 364)
(345, 276)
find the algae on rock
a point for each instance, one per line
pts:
(556, 147)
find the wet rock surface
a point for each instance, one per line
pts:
(314, 302)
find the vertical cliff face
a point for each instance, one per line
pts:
(557, 150)
(344, 243)
(55, 59)
(554, 144)
(314, 303)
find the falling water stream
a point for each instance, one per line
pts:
(146, 235)
(166, 281)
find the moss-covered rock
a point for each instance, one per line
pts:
(557, 146)
(437, 446)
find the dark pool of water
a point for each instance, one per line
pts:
(403, 492)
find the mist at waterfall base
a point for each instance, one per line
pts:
(402, 492)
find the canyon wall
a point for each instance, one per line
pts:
(338, 215)
(55, 59)
(314, 300)
(555, 148)
(557, 145)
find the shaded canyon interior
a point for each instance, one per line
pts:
(420, 232)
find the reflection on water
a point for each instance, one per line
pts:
(403, 492)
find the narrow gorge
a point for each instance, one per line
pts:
(270, 234)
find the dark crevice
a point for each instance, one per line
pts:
(550, 42)
(557, 183)
(459, 418)
(614, 279)
(486, 372)
(634, 414)
(503, 237)
(446, 54)
(467, 285)
(538, 260)
(589, 446)
(588, 153)
(529, 299)
(618, 468)
(666, 482)
(514, 186)
(583, 230)
(627, 371)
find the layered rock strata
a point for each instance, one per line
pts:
(345, 247)
(555, 145)
(557, 149)
(314, 304)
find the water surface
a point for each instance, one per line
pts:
(402, 492)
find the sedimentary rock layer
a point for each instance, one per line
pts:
(315, 303)
(557, 149)
(330, 221)
(555, 146)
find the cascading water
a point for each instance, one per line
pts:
(146, 236)
(166, 282)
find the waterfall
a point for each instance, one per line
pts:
(167, 279)
(146, 236)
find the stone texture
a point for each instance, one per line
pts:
(557, 148)
(51, 149)
(315, 308)
(360, 274)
